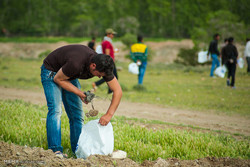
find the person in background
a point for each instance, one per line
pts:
(60, 72)
(139, 53)
(108, 49)
(91, 44)
(224, 60)
(247, 54)
(213, 50)
(230, 54)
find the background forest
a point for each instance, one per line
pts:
(196, 19)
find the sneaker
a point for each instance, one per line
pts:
(213, 76)
(228, 83)
(61, 155)
(233, 87)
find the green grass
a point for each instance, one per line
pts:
(166, 85)
(24, 124)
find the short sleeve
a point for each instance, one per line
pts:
(108, 78)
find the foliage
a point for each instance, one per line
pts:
(44, 54)
(129, 39)
(25, 124)
(188, 56)
(151, 18)
(223, 22)
(127, 25)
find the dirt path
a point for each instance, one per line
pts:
(232, 124)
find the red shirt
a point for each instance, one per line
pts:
(108, 45)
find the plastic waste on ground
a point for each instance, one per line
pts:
(202, 57)
(133, 68)
(241, 62)
(221, 71)
(95, 139)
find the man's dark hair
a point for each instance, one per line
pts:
(230, 39)
(104, 63)
(247, 39)
(139, 38)
(93, 38)
(226, 40)
(216, 35)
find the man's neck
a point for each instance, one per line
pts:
(106, 38)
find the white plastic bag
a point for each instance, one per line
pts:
(221, 71)
(241, 62)
(202, 57)
(95, 139)
(133, 68)
(99, 49)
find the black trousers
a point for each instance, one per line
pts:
(248, 64)
(231, 72)
(101, 81)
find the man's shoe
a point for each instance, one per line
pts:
(61, 155)
(228, 83)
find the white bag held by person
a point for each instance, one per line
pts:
(241, 62)
(133, 68)
(95, 139)
(202, 57)
(221, 71)
(99, 49)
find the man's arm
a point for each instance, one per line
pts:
(62, 80)
(117, 95)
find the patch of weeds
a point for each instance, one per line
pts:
(140, 88)
(44, 54)
(124, 87)
(5, 68)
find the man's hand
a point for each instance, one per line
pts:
(105, 119)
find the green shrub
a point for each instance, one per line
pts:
(44, 54)
(188, 56)
(128, 39)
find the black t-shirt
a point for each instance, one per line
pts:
(91, 45)
(74, 61)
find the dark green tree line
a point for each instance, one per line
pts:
(152, 18)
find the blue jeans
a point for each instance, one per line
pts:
(142, 70)
(55, 95)
(215, 62)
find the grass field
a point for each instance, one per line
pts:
(167, 85)
(24, 124)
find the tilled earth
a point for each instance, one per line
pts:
(14, 155)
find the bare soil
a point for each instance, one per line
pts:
(164, 52)
(14, 155)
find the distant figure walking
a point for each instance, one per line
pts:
(213, 50)
(230, 55)
(139, 54)
(91, 44)
(247, 54)
(223, 47)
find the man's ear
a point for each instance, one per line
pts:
(93, 65)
